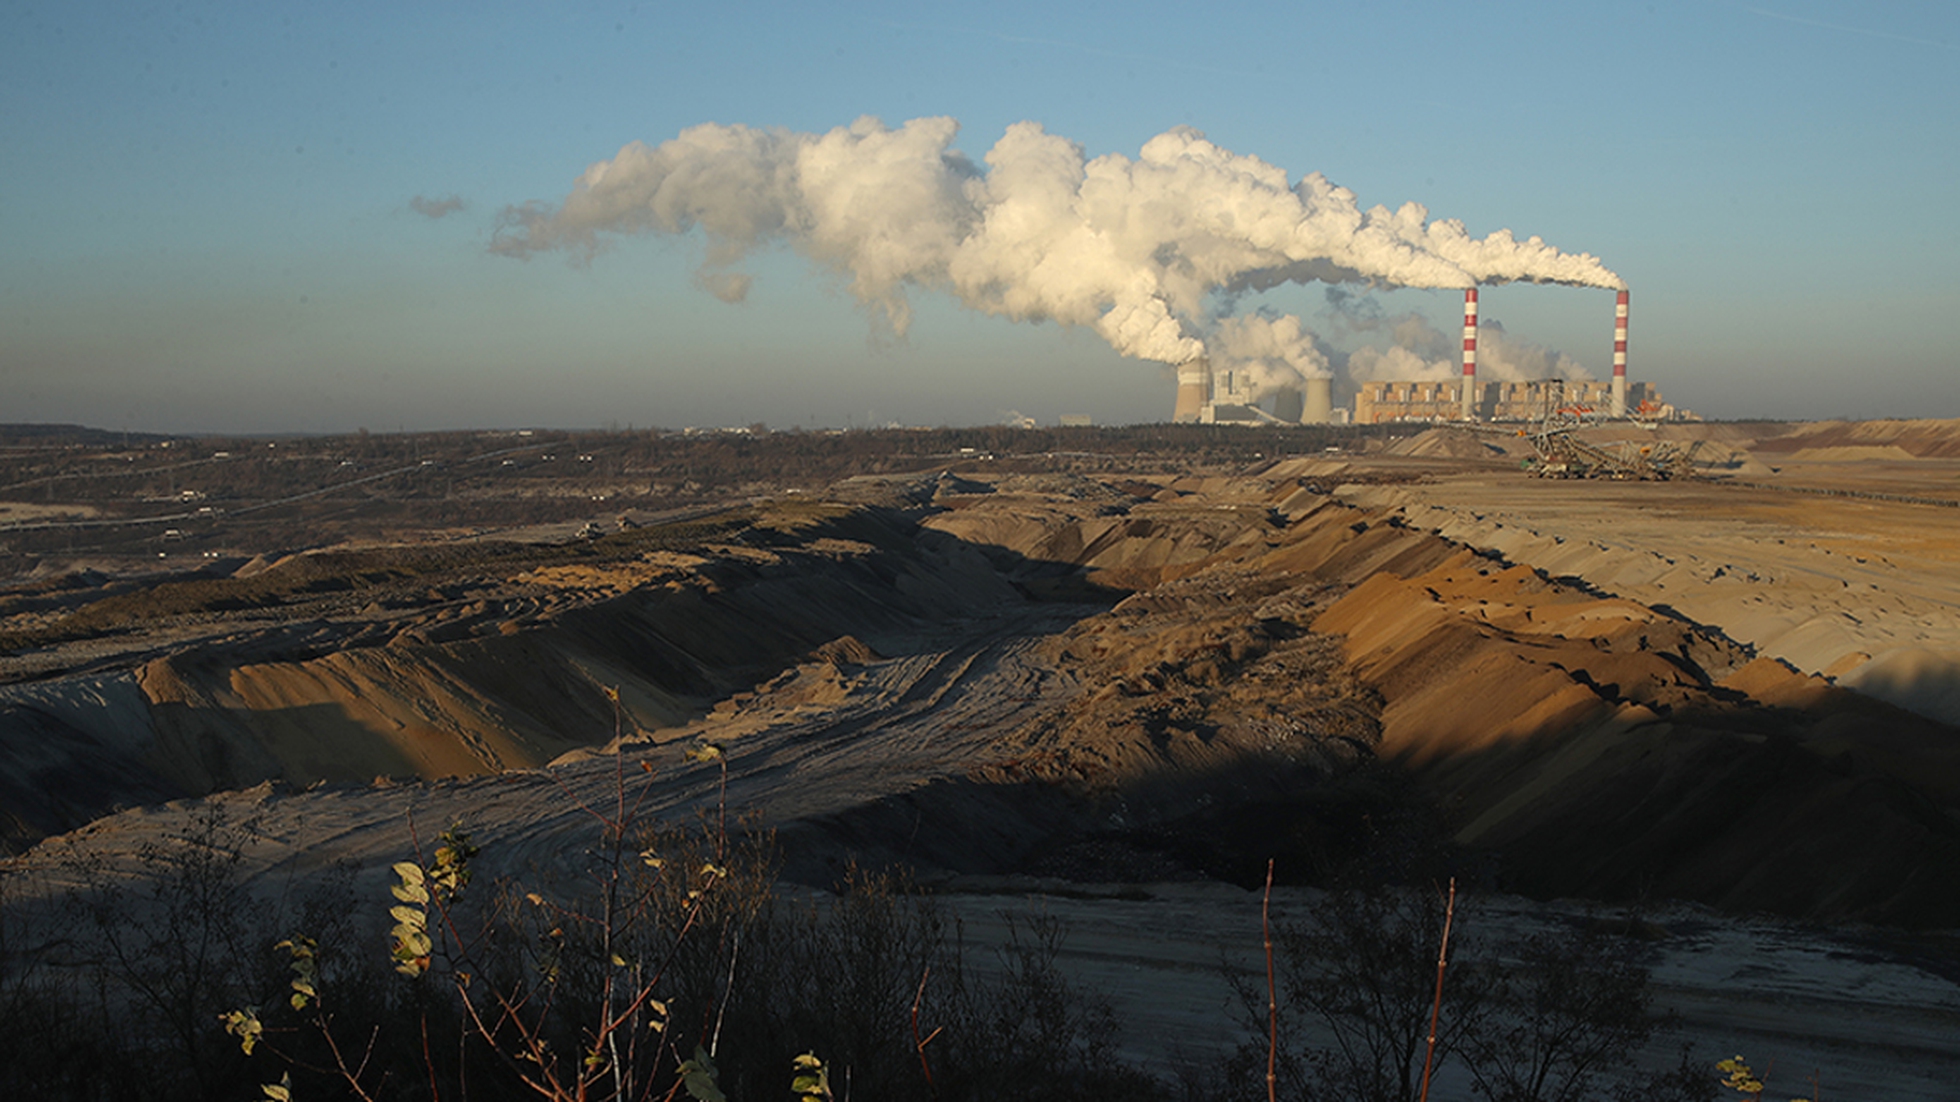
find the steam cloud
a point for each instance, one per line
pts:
(1142, 251)
(1419, 352)
(1271, 351)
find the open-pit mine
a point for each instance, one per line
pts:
(1105, 674)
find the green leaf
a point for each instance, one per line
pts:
(698, 1076)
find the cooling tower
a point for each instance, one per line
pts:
(1193, 390)
(1469, 393)
(1287, 404)
(1319, 405)
(1620, 356)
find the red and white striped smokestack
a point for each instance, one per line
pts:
(1620, 357)
(1469, 353)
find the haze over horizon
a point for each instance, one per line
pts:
(276, 218)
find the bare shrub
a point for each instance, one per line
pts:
(169, 951)
(1364, 965)
(674, 964)
(1571, 1007)
(1555, 1016)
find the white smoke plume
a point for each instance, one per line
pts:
(1397, 363)
(1419, 352)
(1514, 359)
(1271, 352)
(1134, 249)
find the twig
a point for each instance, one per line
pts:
(721, 810)
(1272, 990)
(917, 1044)
(351, 1076)
(1436, 1010)
(429, 1060)
(727, 992)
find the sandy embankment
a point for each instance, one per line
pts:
(1585, 736)
(1604, 744)
(441, 678)
(1865, 592)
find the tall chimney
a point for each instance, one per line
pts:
(1469, 353)
(1193, 390)
(1620, 357)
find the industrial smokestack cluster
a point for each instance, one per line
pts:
(1233, 394)
(1468, 397)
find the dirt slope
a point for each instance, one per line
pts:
(956, 679)
(511, 674)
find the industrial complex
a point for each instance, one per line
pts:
(1219, 396)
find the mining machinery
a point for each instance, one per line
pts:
(1561, 454)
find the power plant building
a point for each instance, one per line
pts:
(1470, 399)
(1526, 400)
(1213, 397)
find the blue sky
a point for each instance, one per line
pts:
(205, 219)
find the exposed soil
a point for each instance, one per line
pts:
(1386, 663)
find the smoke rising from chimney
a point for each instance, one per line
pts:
(1141, 251)
(1419, 352)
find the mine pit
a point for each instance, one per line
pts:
(1111, 696)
